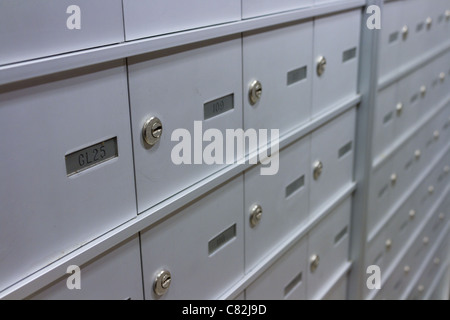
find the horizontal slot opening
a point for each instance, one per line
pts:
(382, 191)
(296, 75)
(414, 98)
(393, 37)
(348, 54)
(403, 226)
(419, 27)
(222, 239)
(340, 235)
(294, 186)
(291, 285)
(387, 117)
(345, 149)
(378, 258)
(397, 284)
(408, 164)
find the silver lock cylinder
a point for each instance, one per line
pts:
(321, 64)
(430, 189)
(420, 288)
(255, 92)
(393, 179)
(436, 260)
(152, 131)
(447, 15)
(417, 154)
(405, 32)
(314, 262)
(388, 244)
(447, 169)
(412, 214)
(441, 216)
(429, 22)
(162, 282)
(423, 90)
(399, 108)
(317, 169)
(426, 240)
(436, 134)
(407, 269)
(255, 215)
(442, 76)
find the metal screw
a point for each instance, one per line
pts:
(417, 154)
(420, 288)
(317, 169)
(152, 130)
(430, 189)
(436, 134)
(162, 282)
(255, 92)
(321, 63)
(255, 215)
(426, 240)
(412, 214)
(429, 21)
(442, 76)
(405, 31)
(399, 108)
(388, 244)
(314, 262)
(407, 269)
(436, 260)
(393, 178)
(423, 90)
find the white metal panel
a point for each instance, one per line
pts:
(33, 29)
(338, 291)
(280, 58)
(113, 275)
(404, 163)
(329, 240)
(174, 86)
(379, 194)
(145, 18)
(46, 213)
(390, 38)
(283, 198)
(181, 244)
(336, 37)
(285, 279)
(384, 122)
(332, 145)
(411, 98)
(254, 8)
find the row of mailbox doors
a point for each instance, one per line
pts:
(81, 119)
(185, 259)
(388, 243)
(409, 29)
(402, 105)
(396, 174)
(43, 28)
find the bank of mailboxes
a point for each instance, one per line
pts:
(113, 275)
(310, 264)
(398, 172)
(400, 106)
(408, 28)
(66, 165)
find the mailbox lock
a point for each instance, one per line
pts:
(429, 21)
(417, 154)
(446, 169)
(441, 216)
(447, 14)
(255, 92)
(388, 244)
(152, 130)
(314, 262)
(412, 214)
(423, 90)
(407, 269)
(405, 31)
(426, 240)
(437, 260)
(442, 76)
(317, 169)
(393, 178)
(399, 108)
(430, 189)
(255, 215)
(436, 134)
(321, 63)
(162, 282)
(420, 288)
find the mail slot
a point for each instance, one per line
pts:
(50, 206)
(40, 28)
(201, 241)
(179, 138)
(148, 18)
(114, 275)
